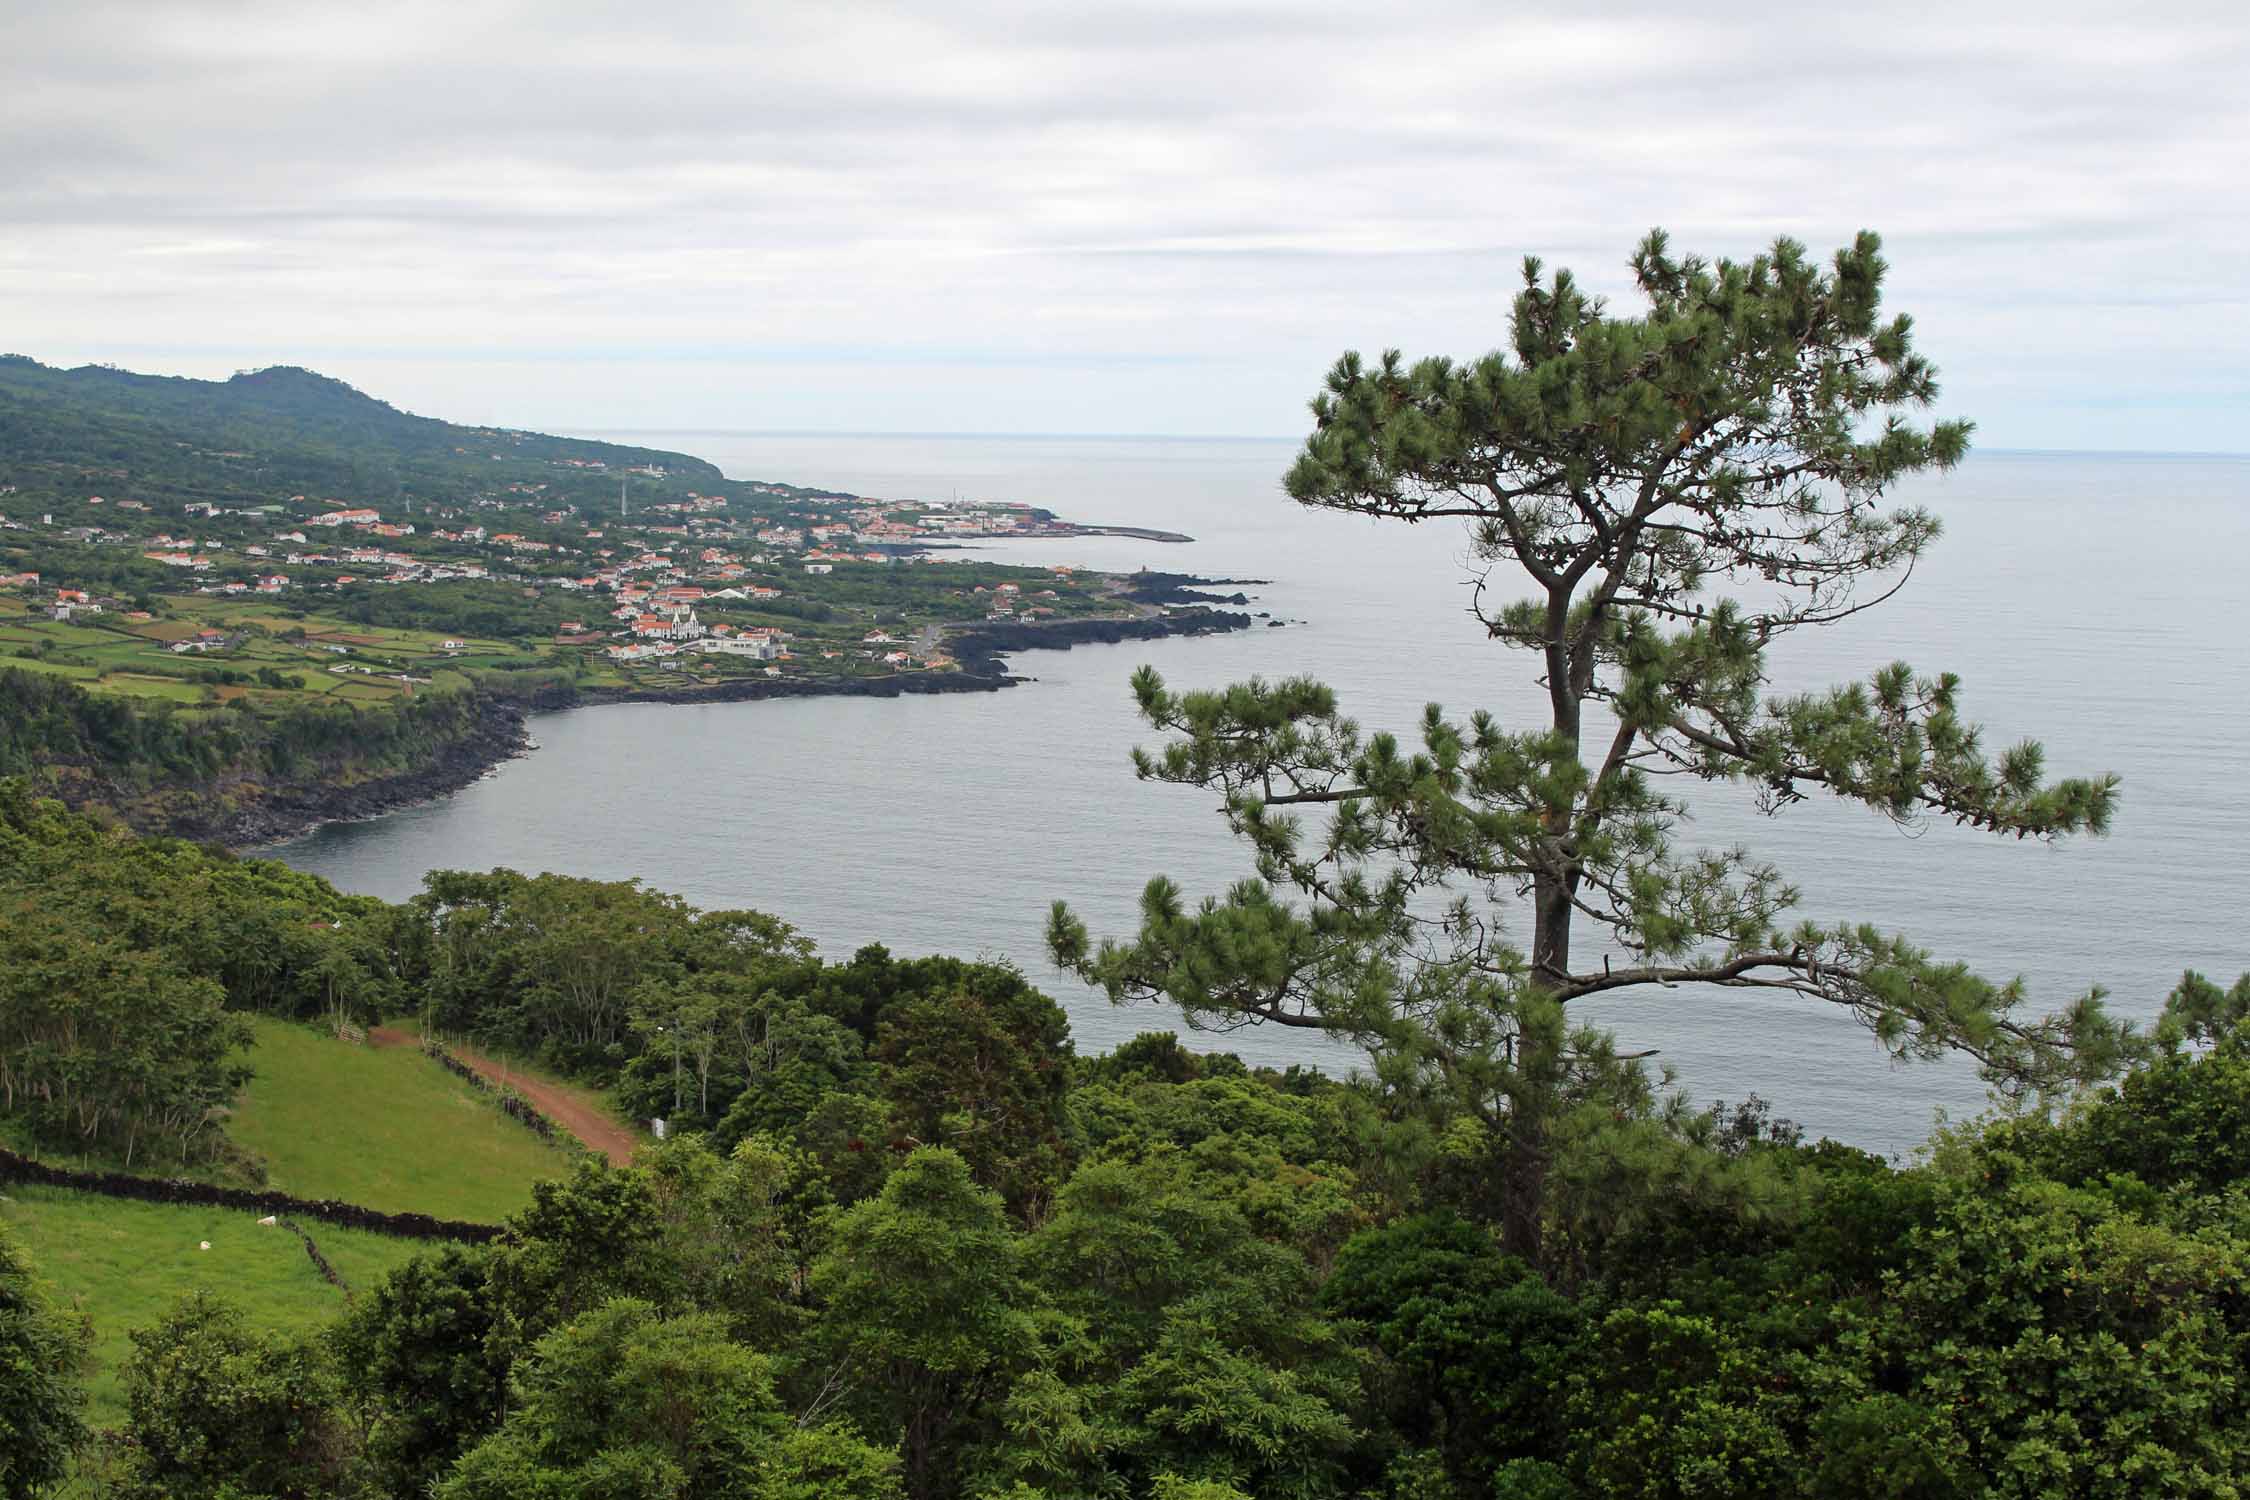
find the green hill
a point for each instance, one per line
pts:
(265, 432)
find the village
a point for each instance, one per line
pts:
(764, 580)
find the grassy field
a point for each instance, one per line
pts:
(383, 1127)
(131, 658)
(123, 1264)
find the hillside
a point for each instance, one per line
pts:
(122, 1265)
(277, 430)
(908, 1154)
(224, 761)
(384, 1127)
(234, 609)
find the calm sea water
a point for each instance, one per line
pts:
(2093, 602)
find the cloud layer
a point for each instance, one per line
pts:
(1165, 217)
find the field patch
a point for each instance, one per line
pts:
(75, 671)
(124, 1264)
(366, 690)
(151, 685)
(163, 630)
(383, 1127)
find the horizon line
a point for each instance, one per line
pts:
(1259, 437)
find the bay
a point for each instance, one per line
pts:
(2091, 601)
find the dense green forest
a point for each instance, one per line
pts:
(905, 1241)
(267, 433)
(124, 965)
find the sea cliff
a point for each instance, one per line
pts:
(245, 812)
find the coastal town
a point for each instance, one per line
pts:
(617, 576)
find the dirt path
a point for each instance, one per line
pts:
(590, 1125)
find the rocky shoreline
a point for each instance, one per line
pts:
(1150, 587)
(284, 811)
(279, 811)
(981, 647)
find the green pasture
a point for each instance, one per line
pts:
(364, 690)
(83, 675)
(122, 1265)
(69, 637)
(161, 630)
(384, 1127)
(152, 685)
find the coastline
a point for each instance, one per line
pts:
(280, 811)
(284, 812)
(1065, 529)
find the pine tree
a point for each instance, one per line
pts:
(1618, 476)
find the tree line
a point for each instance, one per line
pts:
(1232, 1293)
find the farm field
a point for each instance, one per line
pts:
(309, 657)
(384, 1127)
(124, 1264)
(380, 1126)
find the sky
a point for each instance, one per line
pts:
(1119, 218)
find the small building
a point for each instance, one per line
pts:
(755, 647)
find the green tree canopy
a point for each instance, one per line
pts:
(219, 1409)
(923, 1309)
(417, 1353)
(625, 1403)
(106, 1045)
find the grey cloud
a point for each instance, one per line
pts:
(1252, 181)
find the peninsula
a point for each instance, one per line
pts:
(235, 609)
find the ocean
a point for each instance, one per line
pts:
(2093, 602)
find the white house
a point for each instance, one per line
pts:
(755, 647)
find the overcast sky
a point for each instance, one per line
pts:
(1098, 218)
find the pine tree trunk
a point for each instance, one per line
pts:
(1524, 1165)
(1523, 1170)
(1523, 1187)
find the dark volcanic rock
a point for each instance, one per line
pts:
(980, 646)
(1148, 587)
(284, 809)
(755, 689)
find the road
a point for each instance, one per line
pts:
(590, 1125)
